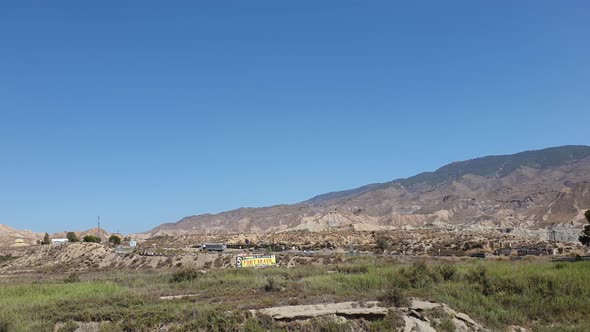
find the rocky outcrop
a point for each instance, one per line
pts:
(416, 317)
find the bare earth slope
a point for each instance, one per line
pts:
(543, 189)
(102, 233)
(8, 235)
(15, 238)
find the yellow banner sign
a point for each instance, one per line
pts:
(256, 261)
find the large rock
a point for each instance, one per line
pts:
(414, 316)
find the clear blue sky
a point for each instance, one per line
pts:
(143, 112)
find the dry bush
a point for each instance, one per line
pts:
(394, 296)
(187, 274)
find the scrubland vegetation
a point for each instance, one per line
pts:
(6, 258)
(542, 296)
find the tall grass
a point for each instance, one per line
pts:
(19, 304)
(539, 295)
(520, 293)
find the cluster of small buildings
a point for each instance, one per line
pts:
(526, 251)
(214, 246)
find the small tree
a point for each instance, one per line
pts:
(92, 238)
(115, 240)
(187, 274)
(72, 237)
(46, 239)
(585, 237)
(382, 244)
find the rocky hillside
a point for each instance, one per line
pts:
(84, 257)
(17, 238)
(11, 237)
(540, 189)
(102, 233)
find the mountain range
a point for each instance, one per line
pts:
(541, 189)
(532, 190)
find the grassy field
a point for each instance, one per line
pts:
(542, 296)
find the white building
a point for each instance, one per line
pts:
(59, 241)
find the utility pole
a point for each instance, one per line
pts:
(99, 227)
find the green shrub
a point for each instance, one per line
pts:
(187, 274)
(436, 313)
(91, 238)
(46, 239)
(543, 285)
(260, 323)
(442, 320)
(222, 321)
(352, 269)
(447, 271)
(115, 240)
(446, 325)
(393, 320)
(382, 244)
(394, 296)
(266, 321)
(72, 237)
(72, 278)
(418, 275)
(5, 326)
(271, 285)
(253, 325)
(6, 258)
(327, 324)
(481, 279)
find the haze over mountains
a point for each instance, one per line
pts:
(540, 189)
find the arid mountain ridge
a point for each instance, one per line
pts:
(531, 190)
(534, 190)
